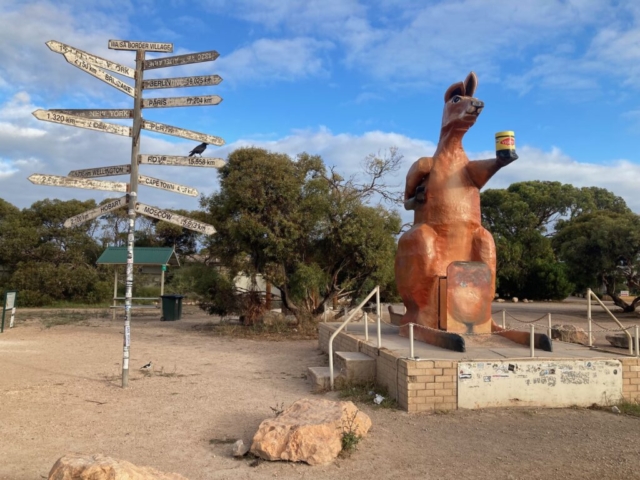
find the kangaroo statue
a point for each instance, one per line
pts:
(438, 288)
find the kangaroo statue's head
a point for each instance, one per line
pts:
(461, 108)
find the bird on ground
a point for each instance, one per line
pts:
(146, 367)
(198, 150)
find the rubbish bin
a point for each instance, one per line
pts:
(171, 307)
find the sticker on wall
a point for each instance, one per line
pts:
(487, 378)
(464, 373)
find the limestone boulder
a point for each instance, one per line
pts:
(310, 431)
(100, 467)
(619, 340)
(570, 333)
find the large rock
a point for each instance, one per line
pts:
(396, 312)
(309, 431)
(619, 340)
(99, 467)
(570, 333)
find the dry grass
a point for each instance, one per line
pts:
(274, 331)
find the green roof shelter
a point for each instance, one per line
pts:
(151, 257)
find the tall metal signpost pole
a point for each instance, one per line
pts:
(84, 118)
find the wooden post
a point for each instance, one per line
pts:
(115, 294)
(268, 296)
(162, 280)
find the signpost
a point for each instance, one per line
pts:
(182, 161)
(86, 118)
(96, 212)
(101, 171)
(9, 304)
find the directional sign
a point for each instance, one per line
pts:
(88, 57)
(164, 185)
(57, 181)
(101, 171)
(96, 212)
(100, 74)
(182, 82)
(82, 122)
(148, 46)
(174, 218)
(181, 132)
(181, 161)
(181, 60)
(181, 101)
(88, 113)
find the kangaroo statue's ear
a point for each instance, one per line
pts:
(470, 84)
(453, 90)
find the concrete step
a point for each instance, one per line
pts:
(320, 378)
(355, 367)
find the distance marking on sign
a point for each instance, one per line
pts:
(164, 185)
(174, 218)
(181, 132)
(100, 74)
(63, 48)
(80, 122)
(101, 171)
(181, 161)
(209, 56)
(70, 182)
(135, 45)
(200, 81)
(96, 212)
(91, 113)
(181, 101)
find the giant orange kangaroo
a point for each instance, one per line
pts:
(444, 192)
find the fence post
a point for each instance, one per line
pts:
(366, 327)
(346, 312)
(378, 314)
(504, 318)
(411, 341)
(549, 318)
(589, 316)
(637, 340)
(324, 313)
(532, 340)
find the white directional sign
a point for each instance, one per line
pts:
(181, 60)
(90, 113)
(148, 46)
(181, 132)
(100, 74)
(181, 101)
(101, 171)
(63, 48)
(57, 181)
(164, 185)
(201, 81)
(181, 161)
(80, 122)
(184, 222)
(96, 212)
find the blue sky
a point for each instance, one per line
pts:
(340, 78)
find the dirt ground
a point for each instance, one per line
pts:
(60, 392)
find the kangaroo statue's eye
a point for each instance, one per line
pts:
(456, 99)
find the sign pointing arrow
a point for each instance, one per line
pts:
(181, 101)
(63, 48)
(101, 171)
(181, 60)
(181, 132)
(99, 74)
(148, 46)
(164, 185)
(82, 122)
(184, 222)
(96, 212)
(181, 161)
(201, 81)
(91, 113)
(58, 181)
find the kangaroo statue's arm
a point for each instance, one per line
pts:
(481, 171)
(416, 175)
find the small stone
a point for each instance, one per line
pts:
(500, 300)
(525, 300)
(514, 299)
(240, 449)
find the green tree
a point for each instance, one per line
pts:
(306, 230)
(602, 248)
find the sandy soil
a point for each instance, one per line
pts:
(59, 393)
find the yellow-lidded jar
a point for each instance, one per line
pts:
(505, 140)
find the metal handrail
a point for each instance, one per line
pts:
(376, 292)
(626, 331)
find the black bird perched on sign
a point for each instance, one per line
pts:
(198, 150)
(146, 367)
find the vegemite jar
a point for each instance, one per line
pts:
(506, 145)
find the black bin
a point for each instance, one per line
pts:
(171, 307)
